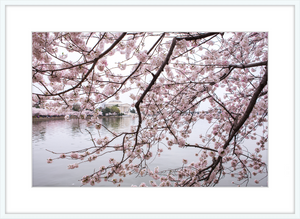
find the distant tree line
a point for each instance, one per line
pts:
(132, 110)
(105, 111)
(111, 110)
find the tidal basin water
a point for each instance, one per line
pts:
(65, 136)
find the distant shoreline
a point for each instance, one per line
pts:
(36, 119)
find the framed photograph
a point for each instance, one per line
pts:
(95, 95)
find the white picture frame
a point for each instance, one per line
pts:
(20, 200)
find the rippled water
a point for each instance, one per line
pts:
(64, 136)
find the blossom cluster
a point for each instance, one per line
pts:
(168, 82)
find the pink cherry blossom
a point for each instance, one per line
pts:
(174, 80)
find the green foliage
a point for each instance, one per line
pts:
(115, 109)
(105, 111)
(132, 110)
(76, 107)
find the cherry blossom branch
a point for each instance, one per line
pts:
(249, 109)
(136, 69)
(235, 127)
(92, 68)
(197, 37)
(137, 104)
(170, 90)
(195, 46)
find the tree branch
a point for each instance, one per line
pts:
(93, 66)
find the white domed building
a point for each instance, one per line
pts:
(124, 107)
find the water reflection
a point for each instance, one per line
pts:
(117, 124)
(112, 123)
(38, 131)
(75, 127)
(63, 136)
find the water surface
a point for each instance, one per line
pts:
(64, 136)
